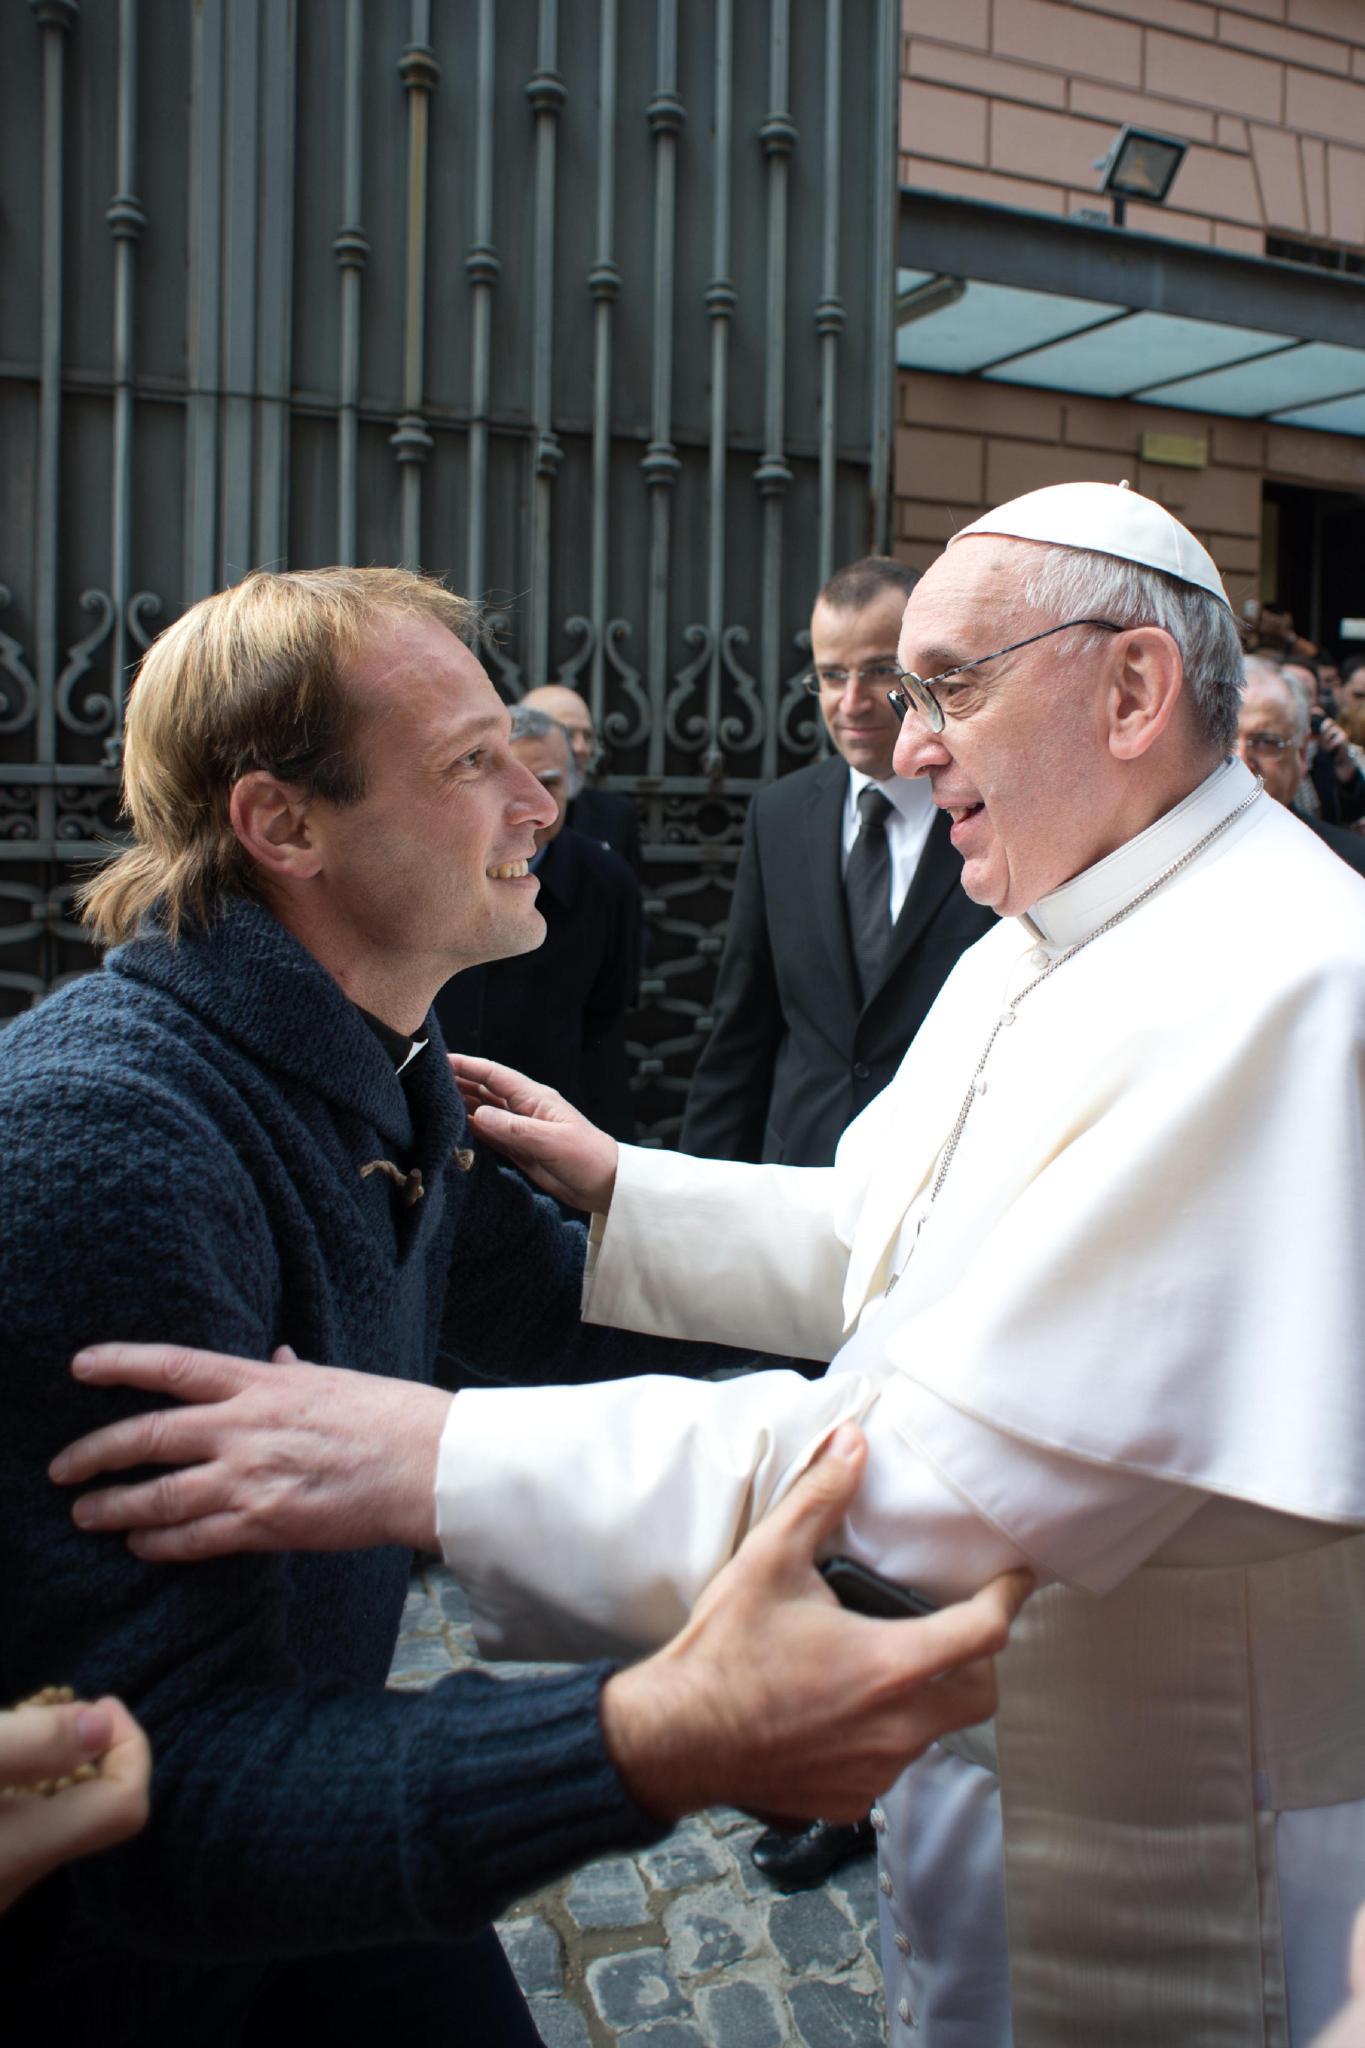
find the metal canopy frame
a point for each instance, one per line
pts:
(1145, 273)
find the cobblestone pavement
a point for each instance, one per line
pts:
(684, 1946)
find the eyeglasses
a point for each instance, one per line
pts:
(919, 690)
(876, 674)
(1265, 742)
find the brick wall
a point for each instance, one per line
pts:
(1010, 101)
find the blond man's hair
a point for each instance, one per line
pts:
(251, 678)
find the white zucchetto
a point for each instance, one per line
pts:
(1108, 519)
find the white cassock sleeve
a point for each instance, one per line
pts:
(657, 1481)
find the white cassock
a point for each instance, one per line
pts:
(1123, 1344)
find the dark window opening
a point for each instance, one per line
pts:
(1321, 255)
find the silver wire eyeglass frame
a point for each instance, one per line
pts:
(920, 689)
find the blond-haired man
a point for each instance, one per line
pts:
(239, 1135)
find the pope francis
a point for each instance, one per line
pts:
(1088, 1276)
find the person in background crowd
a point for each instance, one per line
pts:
(599, 814)
(1351, 700)
(1273, 737)
(847, 917)
(559, 1012)
(1336, 775)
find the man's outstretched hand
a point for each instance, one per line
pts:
(285, 1456)
(539, 1132)
(775, 1698)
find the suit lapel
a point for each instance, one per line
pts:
(937, 874)
(823, 838)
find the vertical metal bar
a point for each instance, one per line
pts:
(126, 222)
(242, 111)
(55, 19)
(830, 317)
(410, 441)
(545, 91)
(721, 300)
(274, 300)
(604, 282)
(885, 185)
(352, 250)
(772, 476)
(205, 288)
(482, 265)
(665, 114)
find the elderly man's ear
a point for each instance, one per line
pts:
(271, 818)
(1144, 692)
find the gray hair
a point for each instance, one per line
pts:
(530, 724)
(1071, 582)
(1262, 671)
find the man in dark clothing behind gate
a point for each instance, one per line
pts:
(242, 1135)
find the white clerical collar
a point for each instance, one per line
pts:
(911, 795)
(1074, 910)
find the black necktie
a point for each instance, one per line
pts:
(867, 884)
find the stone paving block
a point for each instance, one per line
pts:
(725, 1819)
(691, 1855)
(421, 1615)
(811, 1934)
(632, 1989)
(533, 1951)
(421, 1659)
(742, 2015)
(666, 2034)
(451, 1594)
(708, 1928)
(560, 2024)
(854, 1885)
(837, 2016)
(608, 1894)
(752, 1882)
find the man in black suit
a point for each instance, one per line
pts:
(806, 1034)
(598, 814)
(558, 1012)
(848, 916)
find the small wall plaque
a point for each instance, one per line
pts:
(1177, 451)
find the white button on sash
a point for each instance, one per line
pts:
(902, 1941)
(885, 1886)
(878, 1820)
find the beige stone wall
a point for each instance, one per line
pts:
(1010, 101)
(963, 446)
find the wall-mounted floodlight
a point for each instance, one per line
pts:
(1141, 165)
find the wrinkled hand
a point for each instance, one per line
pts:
(40, 1744)
(285, 1456)
(775, 1698)
(539, 1132)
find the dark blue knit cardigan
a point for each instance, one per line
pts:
(183, 1138)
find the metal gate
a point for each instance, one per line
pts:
(587, 306)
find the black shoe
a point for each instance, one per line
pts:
(795, 1862)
